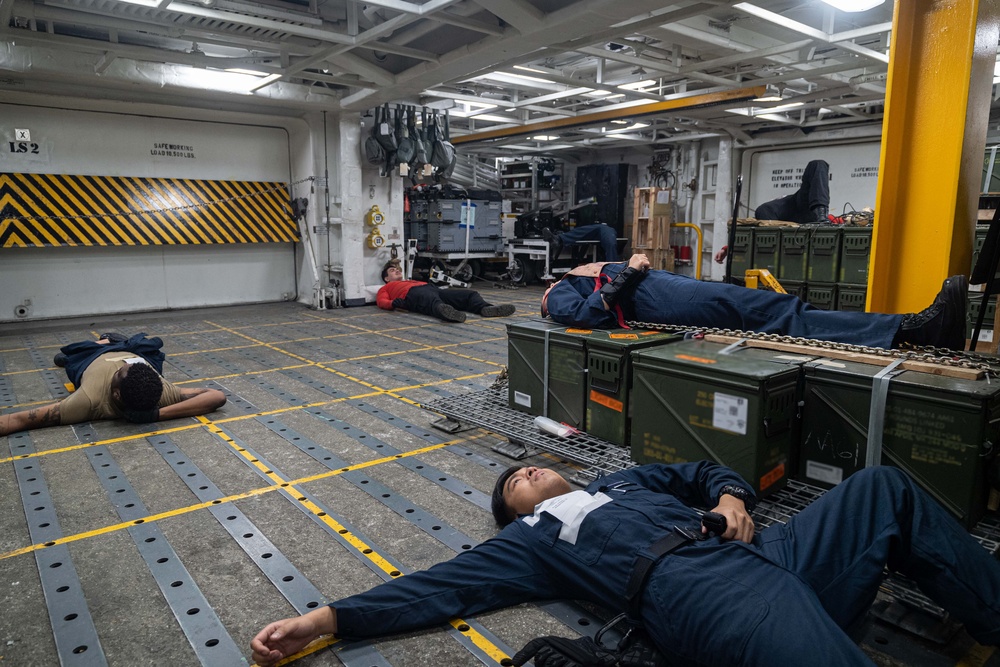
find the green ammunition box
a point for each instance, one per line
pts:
(855, 251)
(767, 249)
(609, 379)
(794, 262)
(977, 245)
(972, 314)
(824, 254)
(822, 295)
(529, 346)
(742, 251)
(852, 297)
(797, 288)
(692, 402)
(941, 430)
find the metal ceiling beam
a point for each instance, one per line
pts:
(517, 13)
(604, 116)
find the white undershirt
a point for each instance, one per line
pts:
(571, 509)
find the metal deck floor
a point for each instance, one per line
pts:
(174, 543)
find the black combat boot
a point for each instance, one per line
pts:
(941, 324)
(448, 313)
(820, 213)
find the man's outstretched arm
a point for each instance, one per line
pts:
(25, 420)
(199, 401)
(289, 636)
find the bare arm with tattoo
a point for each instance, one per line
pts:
(25, 420)
(196, 402)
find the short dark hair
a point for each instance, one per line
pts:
(141, 388)
(388, 265)
(502, 513)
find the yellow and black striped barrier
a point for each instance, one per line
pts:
(38, 210)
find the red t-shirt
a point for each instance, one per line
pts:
(397, 289)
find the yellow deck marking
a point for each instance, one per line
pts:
(232, 498)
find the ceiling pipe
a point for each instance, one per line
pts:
(692, 102)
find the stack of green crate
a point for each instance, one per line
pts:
(972, 313)
(742, 251)
(824, 266)
(580, 377)
(977, 245)
(545, 355)
(793, 265)
(855, 254)
(691, 402)
(767, 249)
(609, 379)
(943, 431)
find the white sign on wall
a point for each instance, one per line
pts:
(853, 174)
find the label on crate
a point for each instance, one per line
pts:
(729, 413)
(824, 473)
(522, 399)
(623, 336)
(580, 331)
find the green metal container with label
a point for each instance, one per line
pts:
(855, 251)
(824, 254)
(692, 402)
(794, 262)
(943, 431)
(528, 344)
(609, 379)
(972, 314)
(767, 249)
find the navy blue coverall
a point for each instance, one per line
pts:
(668, 298)
(785, 599)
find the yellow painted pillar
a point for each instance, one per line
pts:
(933, 135)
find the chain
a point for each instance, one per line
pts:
(927, 354)
(128, 214)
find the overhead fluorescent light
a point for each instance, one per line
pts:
(246, 71)
(771, 94)
(638, 85)
(529, 69)
(633, 126)
(545, 137)
(854, 5)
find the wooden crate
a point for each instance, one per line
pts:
(662, 260)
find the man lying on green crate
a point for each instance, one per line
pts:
(606, 295)
(631, 543)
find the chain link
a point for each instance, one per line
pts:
(151, 211)
(927, 354)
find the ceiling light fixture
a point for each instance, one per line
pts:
(771, 94)
(854, 5)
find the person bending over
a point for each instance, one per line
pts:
(744, 598)
(606, 295)
(115, 377)
(449, 304)
(810, 203)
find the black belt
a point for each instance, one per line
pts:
(644, 564)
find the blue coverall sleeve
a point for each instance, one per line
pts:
(500, 572)
(696, 484)
(569, 304)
